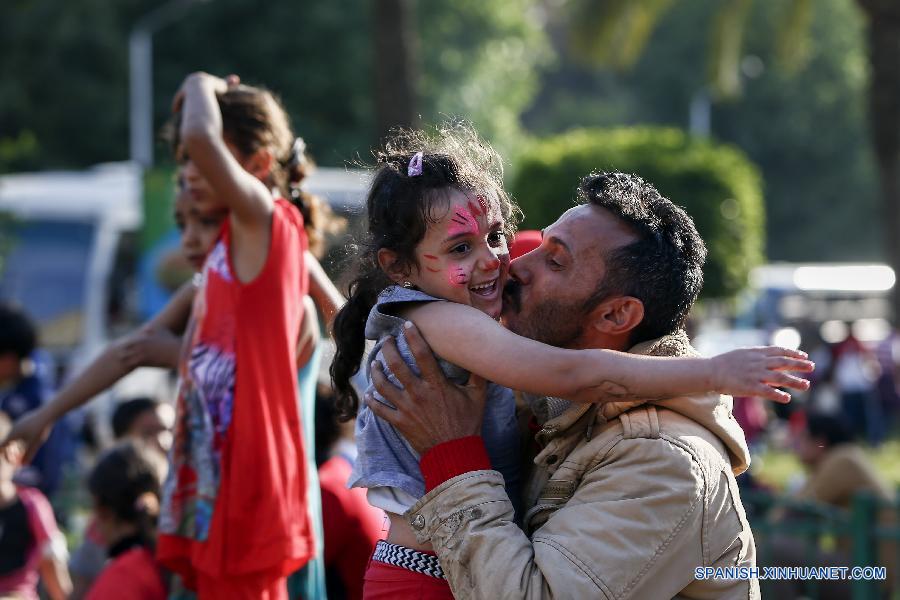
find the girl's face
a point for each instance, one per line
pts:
(199, 224)
(463, 256)
(200, 189)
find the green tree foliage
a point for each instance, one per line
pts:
(64, 68)
(715, 184)
(804, 126)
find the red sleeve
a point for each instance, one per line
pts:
(446, 461)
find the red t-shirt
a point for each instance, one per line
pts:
(350, 524)
(133, 575)
(234, 501)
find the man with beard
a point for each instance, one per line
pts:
(628, 499)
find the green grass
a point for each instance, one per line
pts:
(777, 467)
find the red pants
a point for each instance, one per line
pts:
(248, 587)
(387, 582)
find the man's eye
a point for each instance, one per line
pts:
(553, 264)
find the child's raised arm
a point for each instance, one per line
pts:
(116, 361)
(249, 201)
(467, 337)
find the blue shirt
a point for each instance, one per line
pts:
(385, 458)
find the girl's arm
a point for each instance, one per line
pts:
(322, 290)
(112, 364)
(309, 333)
(467, 337)
(249, 201)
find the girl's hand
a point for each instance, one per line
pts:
(200, 80)
(29, 432)
(760, 371)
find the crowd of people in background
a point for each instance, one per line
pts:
(172, 508)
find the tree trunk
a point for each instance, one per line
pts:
(396, 68)
(884, 114)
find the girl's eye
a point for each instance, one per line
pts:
(460, 249)
(209, 222)
(179, 224)
(495, 238)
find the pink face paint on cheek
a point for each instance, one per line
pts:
(458, 275)
(430, 256)
(433, 270)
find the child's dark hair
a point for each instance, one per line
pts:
(126, 413)
(17, 332)
(254, 118)
(399, 210)
(127, 481)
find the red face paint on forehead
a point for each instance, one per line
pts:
(462, 221)
(483, 204)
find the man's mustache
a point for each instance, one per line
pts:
(512, 295)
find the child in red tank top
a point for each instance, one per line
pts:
(234, 518)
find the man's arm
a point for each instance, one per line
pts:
(602, 543)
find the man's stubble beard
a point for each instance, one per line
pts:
(552, 322)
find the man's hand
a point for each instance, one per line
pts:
(429, 409)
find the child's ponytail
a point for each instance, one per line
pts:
(319, 220)
(127, 482)
(349, 336)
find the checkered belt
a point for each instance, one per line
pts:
(407, 558)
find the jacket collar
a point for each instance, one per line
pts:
(712, 411)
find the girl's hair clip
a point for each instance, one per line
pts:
(298, 152)
(415, 165)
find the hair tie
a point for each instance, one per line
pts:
(297, 151)
(415, 165)
(147, 503)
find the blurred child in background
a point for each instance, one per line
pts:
(125, 486)
(31, 545)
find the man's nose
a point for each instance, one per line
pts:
(519, 270)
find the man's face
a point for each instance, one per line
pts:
(549, 287)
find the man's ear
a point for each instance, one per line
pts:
(390, 264)
(617, 316)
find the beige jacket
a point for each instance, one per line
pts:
(628, 500)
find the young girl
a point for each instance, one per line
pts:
(125, 485)
(234, 520)
(438, 222)
(31, 545)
